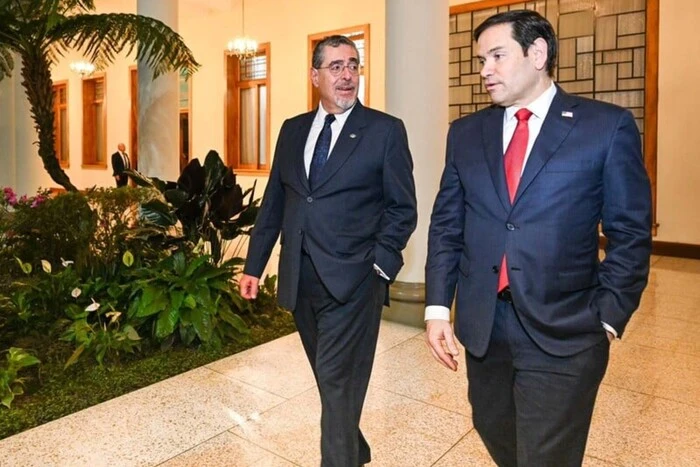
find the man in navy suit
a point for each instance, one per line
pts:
(120, 163)
(341, 198)
(514, 230)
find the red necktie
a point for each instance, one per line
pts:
(513, 162)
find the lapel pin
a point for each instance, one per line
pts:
(567, 114)
(353, 135)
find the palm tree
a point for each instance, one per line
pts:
(40, 31)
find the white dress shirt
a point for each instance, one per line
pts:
(316, 127)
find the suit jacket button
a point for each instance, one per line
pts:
(309, 199)
(510, 226)
(300, 231)
(494, 269)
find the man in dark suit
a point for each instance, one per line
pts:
(343, 220)
(514, 230)
(120, 162)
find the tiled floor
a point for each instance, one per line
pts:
(260, 407)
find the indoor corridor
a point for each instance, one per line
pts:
(261, 408)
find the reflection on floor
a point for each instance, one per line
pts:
(260, 407)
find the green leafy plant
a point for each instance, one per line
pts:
(104, 338)
(186, 297)
(38, 300)
(59, 227)
(206, 200)
(11, 384)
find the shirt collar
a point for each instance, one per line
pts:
(539, 107)
(340, 118)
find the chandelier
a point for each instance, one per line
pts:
(243, 47)
(84, 69)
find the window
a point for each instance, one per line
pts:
(360, 36)
(247, 115)
(94, 122)
(184, 122)
(60, 123)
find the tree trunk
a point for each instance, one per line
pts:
(36, 75)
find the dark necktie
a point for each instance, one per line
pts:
(513, 162)
(323, 146)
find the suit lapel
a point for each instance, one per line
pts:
(559, 121)
(300, 136)
(492, 134)
(350, 135)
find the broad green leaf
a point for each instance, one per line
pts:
(167, 320)
(157, 302)
(190, 302)
(20, 358)
(195, 264)
(179, 263)
(234, 320)
(176, 299)
(176, 197)
(201, 320)
(131, 333)
(158, 213)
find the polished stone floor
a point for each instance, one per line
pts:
(260, 407)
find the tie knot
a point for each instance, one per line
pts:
(330, 118)
(523, 115)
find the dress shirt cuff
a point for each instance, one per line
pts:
(610, 329)
(381, 273)
(437, 312)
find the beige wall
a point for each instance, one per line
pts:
(207, 25)
(679, 142)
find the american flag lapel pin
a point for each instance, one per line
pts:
(567, 114)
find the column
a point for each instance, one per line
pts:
(22, 168)
(158, 139)
(8, 152)
(417, 60)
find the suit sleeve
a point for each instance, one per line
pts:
(268, 223)
(446, 233)
(400, 212)
(626, 219)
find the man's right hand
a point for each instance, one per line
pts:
(441, 342)
(248, 286)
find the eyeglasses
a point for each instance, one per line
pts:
(336, 69)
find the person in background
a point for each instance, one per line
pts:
(120, 163)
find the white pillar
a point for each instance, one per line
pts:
(8, 152)
(158, 128)
(20, 159)
(417, 61)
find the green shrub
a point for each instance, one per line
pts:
(186, 298)
(11, 384)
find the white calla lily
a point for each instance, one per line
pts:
(93, 307)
